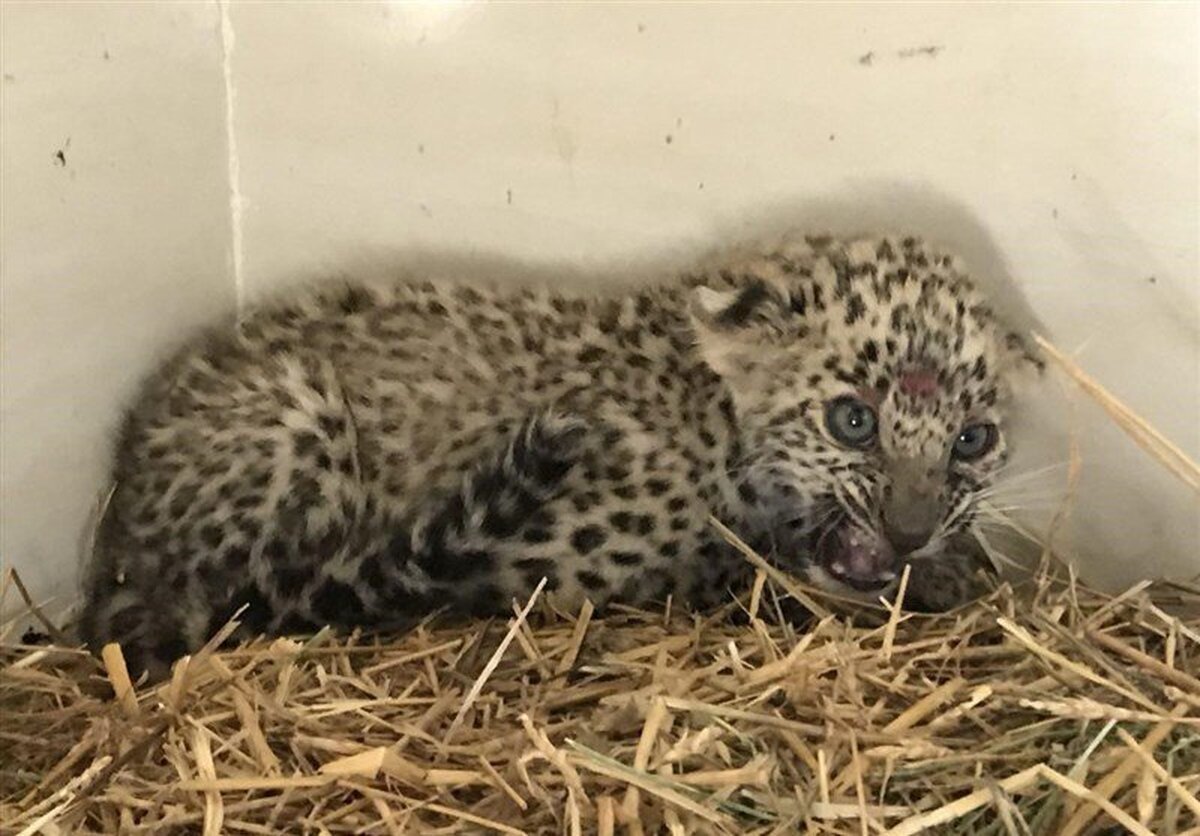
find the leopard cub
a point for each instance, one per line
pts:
(361, 456)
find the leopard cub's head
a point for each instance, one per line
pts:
(871, 382)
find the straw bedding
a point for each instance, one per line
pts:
(1049, 708)
(1046, 707)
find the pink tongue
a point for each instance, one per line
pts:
(866, 559)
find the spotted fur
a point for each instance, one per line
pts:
(364, 455)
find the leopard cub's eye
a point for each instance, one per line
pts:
(975, 441)
(851, 422)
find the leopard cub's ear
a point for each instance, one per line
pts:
(1022, 361)
(756, 310)
(733, 325)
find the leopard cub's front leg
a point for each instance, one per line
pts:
(949, 580)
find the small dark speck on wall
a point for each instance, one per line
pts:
(508, 196)
(1054, 213)
(866, 59)
(832, 137)
(60, 156)
(670, 139)
(107, 57)
(421, 149)
(641, 27)
(1152, 279)
(701, 186)
(913, 52)
(426, 211)
(1074, 176)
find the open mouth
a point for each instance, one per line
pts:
(860, 561)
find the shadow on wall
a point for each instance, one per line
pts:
(866, 207)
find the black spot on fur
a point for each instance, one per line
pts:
(727, 410)
(399, 549)
(588, 538)
(445, 565)
(617, 473)
(295, 623)
(371, 573)
(537, 535)
(504, 525)
(291, 581)
(256, 617)
(337, 603)
(211, 536)
(305, 443)
(541, 566)
(585, 502)
(591, 580)
(744, 306)
(626, 558)
(657, 487)
(354, 299)
(622, 521)
(235, 558)
(333, 425)
(247, 501)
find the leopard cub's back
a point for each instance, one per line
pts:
(361, 456)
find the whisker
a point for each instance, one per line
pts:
(1032, 505)
(1003, 472)
(997, 557)
(1019, 490)
(1001, 525)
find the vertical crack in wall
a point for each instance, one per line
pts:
(231, 151)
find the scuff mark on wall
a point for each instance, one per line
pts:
(868, 58)
(565, 143)
(236, 203)
(919, 51)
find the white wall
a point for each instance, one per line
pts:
(107, 252)
(1055, 145)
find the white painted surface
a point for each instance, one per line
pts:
(1055, 145)
(108, 253)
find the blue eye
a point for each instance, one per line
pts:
(975, 441)
(851, 422)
